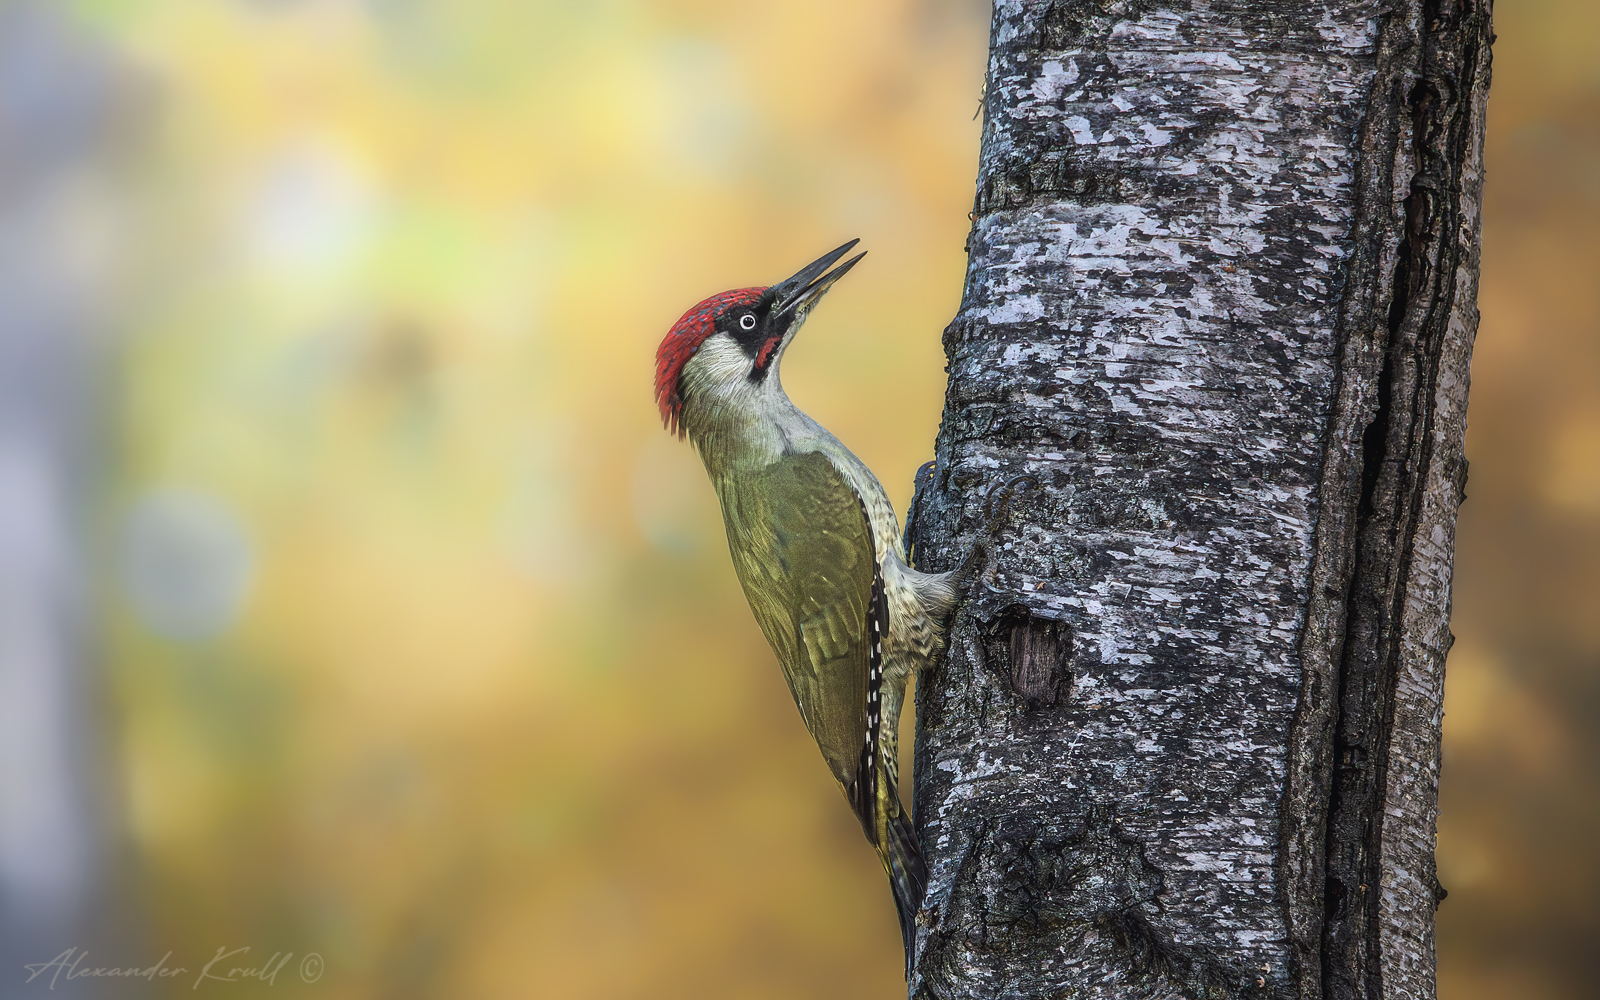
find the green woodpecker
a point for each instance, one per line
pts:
(815, 545)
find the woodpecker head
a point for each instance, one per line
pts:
(728, 346)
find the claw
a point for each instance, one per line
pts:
(997, 504)
(1002, 492)
(923, 479)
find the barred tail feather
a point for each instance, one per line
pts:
(876, 802)
(908, 875)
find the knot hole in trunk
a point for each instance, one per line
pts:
(1033, 653)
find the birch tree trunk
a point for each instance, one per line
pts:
(1206, 404)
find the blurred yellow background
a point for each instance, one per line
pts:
(421, 650)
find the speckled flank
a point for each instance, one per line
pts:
(1147, 330)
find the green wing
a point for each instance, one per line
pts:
(803, 551)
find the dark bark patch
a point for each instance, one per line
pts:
(1061, 874)
(972, 422)
(1066, 24)
(1060, 176)
(1083, 884)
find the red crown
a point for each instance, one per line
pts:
(683, 340)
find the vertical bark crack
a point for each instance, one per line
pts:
(1362, 579)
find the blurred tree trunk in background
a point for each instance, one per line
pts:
(1208, 387)
(58, 104)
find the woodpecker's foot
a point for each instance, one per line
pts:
(996, 509)
(997, 502)
(920, 483)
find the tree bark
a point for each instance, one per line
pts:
(1206, 407)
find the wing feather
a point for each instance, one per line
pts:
(802, 549)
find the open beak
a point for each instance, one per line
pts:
(798, 294)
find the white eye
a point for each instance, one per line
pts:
(747, 321)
